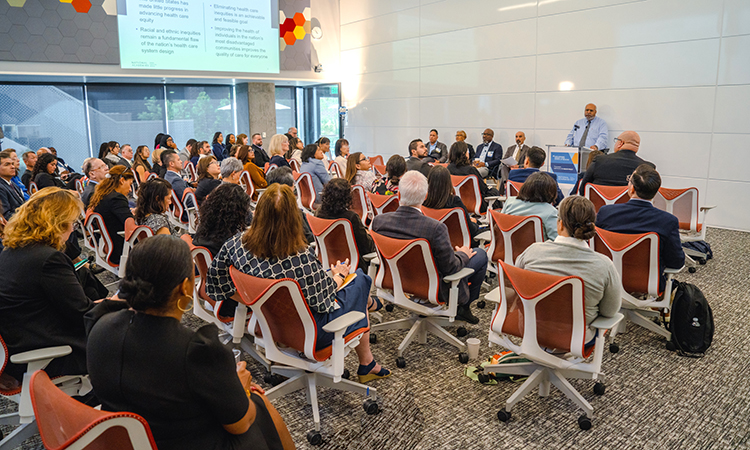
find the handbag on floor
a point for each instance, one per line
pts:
(691, 322)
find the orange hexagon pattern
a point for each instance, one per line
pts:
(292, 29)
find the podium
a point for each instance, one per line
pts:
(566, 163)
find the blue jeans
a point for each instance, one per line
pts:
(477, 262)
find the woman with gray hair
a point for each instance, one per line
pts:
(231, 169)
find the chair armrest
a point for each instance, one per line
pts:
(607, 323)
(492, 198)
(463, 273)
(121, 233)
(667, 270)
(494, 295)
(371, 257)
(344, 321)
(484, 236)
(40, 354)
(706, 208)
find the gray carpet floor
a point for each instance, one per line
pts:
(654, 398)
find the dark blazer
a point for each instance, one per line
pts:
(520, 175)
(493, 158)
(10, 197)
(88, 191)
(409, 223)
(205, 187)
(218, 150)
(471, 170)
(115, 211)
(261, 157)
(178, 184)
(42, 304)
(612, 169)
(44, 180)
(26, 178)
(640, 216)
(440, 153)
(521, 156)
(362, 238)
(414, 163)
(472, 154)
(279, 160)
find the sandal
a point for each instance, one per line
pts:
(376, 302)
(364, 373)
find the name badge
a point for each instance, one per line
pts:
(490, 153)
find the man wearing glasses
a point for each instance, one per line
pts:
(640, 216)
(614, 168)
(489, 155)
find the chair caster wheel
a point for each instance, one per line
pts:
(481, 304)
(670, 346)
(371, 407)
(345, 374)
(400, 362)
(268, 378)
(483, 377)
(461, 332)
(373, 338)
(702, 261)
(389, 307)
(314, 438)
(599, 388)
(692, 269)
(584, 422)
(463, 357)
(614, 348)
(503, 415)
(277, 380)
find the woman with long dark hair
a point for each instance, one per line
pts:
(442, 195)
(358, 171)
(458, 156)
(141, 166)
(217, 145)
(111, 201)
(154, 199)
(223, 214)
(209, 173)
(395, 168)
(44, 174)
(535, 198)
(231, 140)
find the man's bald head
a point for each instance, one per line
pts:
(590, 111)
(628, 140)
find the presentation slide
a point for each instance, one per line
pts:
(209, 35)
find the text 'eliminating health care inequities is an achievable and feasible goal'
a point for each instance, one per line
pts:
(184, 28)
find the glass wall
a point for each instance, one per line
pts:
(322, 112)
(34, 116)
(286, 109)
(197, 112)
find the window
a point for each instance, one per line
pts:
(322, 112)
(286, 109)
(197, 112)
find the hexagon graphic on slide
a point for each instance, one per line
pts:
(82, 6)
(290, 38)
(17, 3)
(299, 19)
(299, 33)
(287, 26)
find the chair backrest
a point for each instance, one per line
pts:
(547, 313)
(379, 169)
(294, 164)
(33, 189)
(605, 195)
(335, 239)
(100, 236)
(305, 191)
(359, 202)
(246, 182)
(455, 220)
(151, 176)
(407, 266)
(66, 423)
(467, 189)
(136, 233)
(4, 357)
(682, 203)
(190, 202)
(636, 258)
(202, 258)
(377, 160)
(176, 209)
(333, 169)
(511, 235)
(512, 188)
(80, 185)
(270, 167)
(382, 203)
(190, 169)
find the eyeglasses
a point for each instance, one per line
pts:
(617, 140)
(486, 134)
(361, 160)
(629, 178)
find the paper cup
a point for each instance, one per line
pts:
(237, 355)
(473, 347)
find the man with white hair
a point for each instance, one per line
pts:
(97, 171)
(408, 222)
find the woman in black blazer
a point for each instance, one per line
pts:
(111, 201)
(460, 165)
(42, 303)
(44, 172)
(441, 195)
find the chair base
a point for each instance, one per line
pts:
(299, 379)
(419, 327)
(642, 318)
(249, 346)
(19, 435)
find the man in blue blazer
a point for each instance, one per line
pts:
(11, 196)
(640, 216)
(535, 157)
(488, 155)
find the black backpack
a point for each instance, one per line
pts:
(691, 322)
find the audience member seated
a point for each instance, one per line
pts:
(535, 157)
(197, 150)
(166, 142)
(223, 214)
(246, 155)
(569, 254)
(45, 172)
(157, 166)
(184, 382)
(395, 168)
(312, 163)
(359, 171)
(461, 137)
(242, 139)
(109, 152)
(261, 157)
(208, 177)
(408, 222)
(284, 175)
(488, 156)
(335, 204)
(231, 142)
(154, 198)
(460, 165)
(325, 146)
(418, 159)
(535, 199)
(171, 162)
(231, 170)
(436, 149)
(191, 149)
(295, 150)
(42, 302)
(11, 196)
(441, 195)
(141, 167)
(639, 215)
(341, 150)
(217, 146)
(29, 159)
(518, 153)
(111, 201)
(96, 170)
(274, 247)
(277, 148)
(62, 167)
(16, 179)
(614, 168)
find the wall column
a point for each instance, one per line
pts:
(261, 100)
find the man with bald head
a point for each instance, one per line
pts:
(613, 169)
(518, 152)
(589, 132)
(488, 156)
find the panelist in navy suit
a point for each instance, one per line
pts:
(488, 155)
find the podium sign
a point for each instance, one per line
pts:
(565, 162)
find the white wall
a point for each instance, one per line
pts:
(676, 71)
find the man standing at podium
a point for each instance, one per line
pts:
(589, 132)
